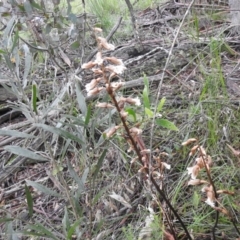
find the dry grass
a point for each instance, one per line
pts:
(65, 175)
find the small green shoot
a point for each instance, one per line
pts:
(166, 124)
(29, 201)
(34, 97)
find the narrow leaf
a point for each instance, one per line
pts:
(24, 153)
(75, 45)
(72, 229)
(75, 120)
(166, 124)
(34, 97)
(15, 40)
(88, 115)
(9, 229)
(60, 132)
(160, 104)
(15, 133)
(2, 51)
(4, 220)
(149, 112)
(99, 164)
(146, 83)
(84, 176)
(35, 5)
(7, 30)
(28, 8)
(65, 221)
(41, 230)
(131, 113)
(77, 179)
(99, 195)
(32, 233)
(146, 101)
(28, 61)
(43, 189)
(81, 100)
(29, 200)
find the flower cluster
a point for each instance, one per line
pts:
(105, 69)
(160, 165)
(204, 161)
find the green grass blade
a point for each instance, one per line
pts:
(24, 153)
(14, 133)
(43, 189)
(88, 115)
(60, 132)
(65, 221)
(4, 220)
(99, 164)
(34, 97)
(39, 230)
(77, 179)
(72, 230)
(29, 200)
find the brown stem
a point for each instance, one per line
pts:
(214, 190)
(114, 100)
(162, 194)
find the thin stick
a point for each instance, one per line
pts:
(130, 8)
(163, 75)
(162, 194)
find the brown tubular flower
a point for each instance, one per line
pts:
(210, 195)
(121, 104)
(95, 91)
(135, 131)
(88, 65)
(165, 165)
(196, 182)
(104, 105)
(193, 171)
(99, 59)
(97, 71)
(104, 44)
(223, 210)
(91, 85)
(114, 60)
(189, 141)
(202, 151)
(123, 113)
(118, 69)
(209, 161)
(96, 29)
(114, 86)
(135, 101)
(225, 192)
(193, 150)
(200, 162)
(111, 131)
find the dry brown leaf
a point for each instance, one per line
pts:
(235, 152)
